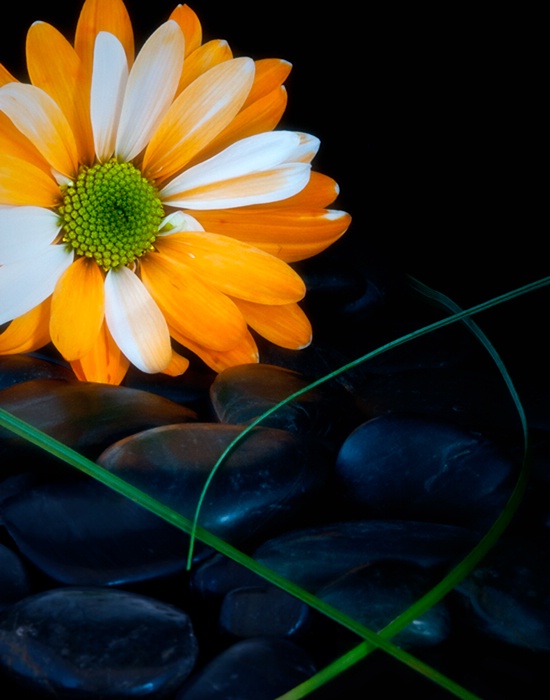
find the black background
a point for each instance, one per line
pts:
(430, 120)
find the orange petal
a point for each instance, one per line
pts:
(103, 16)
(270, 74)
(289, 234)
(320, 191)
(28, 332)
(41, 120)
(262, 115)
(286, 325)
(235, 268)
(24, 183)
(205, 57)
(77, 309)
(194, 308)
(178, 365)
(105, 363)
(55, 67)
(244, 353)
(190, 26)
(197, 116)
(13, 143)
(5, 76)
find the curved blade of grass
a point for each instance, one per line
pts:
(467, 564)
(459, 315)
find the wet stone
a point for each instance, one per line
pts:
(85, 416)
(403, 467)
(267, 482)
(376, 594)
(242, 394)
(15, 369)
(253, 669)
(314, 557)
(507, 597)
(218, 575)
(97, 643)
(80, 532)
(262, 611)
(14, 579)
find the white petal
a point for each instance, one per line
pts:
(25, 232)
(152, 84)
(26, 283)
(250, 155)
(109, 78)
(177, 222)
(136, 322)
(262, 187)
(307, 149)
(40, 119)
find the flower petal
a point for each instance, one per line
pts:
(109, 78)
(107, 16)
(197, 116)
(54, 66)
(136, 322)
(247, 172)
(320, 191)
(25, 231)
(194, 308)
(26, 283)
(151, 88)
(262, 115)
(41, 120)
(77, 309)
(290, 234)
(23, 183)
(27, 332)
(190, 26)
(105, 362)
(235, 268)
(178, 365)
(246, 352)
(306, 150)
(205, 57)
(285, 325)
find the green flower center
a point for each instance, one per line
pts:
(111, 213)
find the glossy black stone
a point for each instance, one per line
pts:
(97, 643)
(412, 468)
(262, 611)
(266, 482)
(376, 594)
(87, 417)
(23, 368)
(254, 669)
(507, 596)
(313, 557)
(242, 394)
(14, 578)
(80, 532)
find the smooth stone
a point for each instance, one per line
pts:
(313, 557)
(15, 369)
(85, 416)
(376, 594)
(252, 669)
(256, 611)
(268, 481)
(243, 393)
(471, 398)
(80, 532)
(411, 468)
(97, 643)
(507, 596)
(14, 578)
(217, 575)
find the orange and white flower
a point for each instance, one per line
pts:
(151, 199)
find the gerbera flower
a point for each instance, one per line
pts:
(150, 199)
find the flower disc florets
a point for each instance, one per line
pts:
(111, 213)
